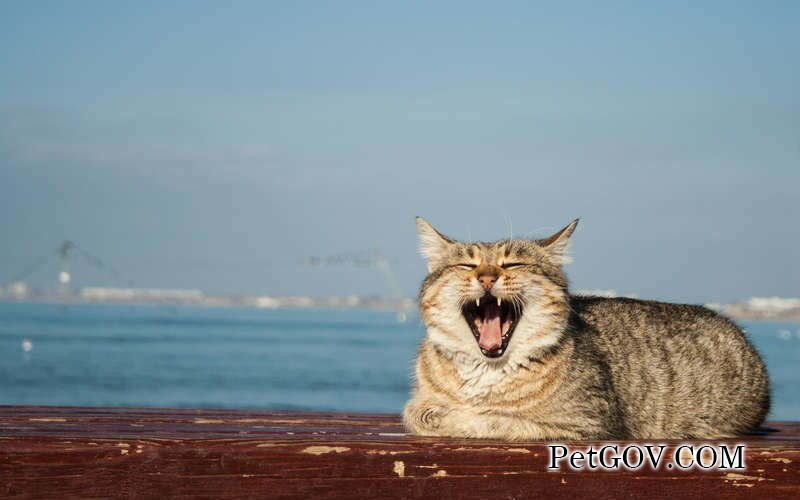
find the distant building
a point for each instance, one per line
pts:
(349, 301)
(16, 290)
(761, 308)
(597, 292)
(773, 304)
(603, 292)
(297, 302)
(100, 294)
(266, 302)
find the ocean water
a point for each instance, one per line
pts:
(348, 360)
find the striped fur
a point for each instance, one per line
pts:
(575, 367)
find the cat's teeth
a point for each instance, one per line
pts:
(498, 301)
(478, 302)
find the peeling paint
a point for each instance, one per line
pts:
(123, 452)
(732, 476)
(400, 468)
(784, 460)
(319, 450)
(391, 433)
(47, 419)
(439, 473)
(272, 421)
(208, 421)
(385, 452)
(491, 448)
(123, 445)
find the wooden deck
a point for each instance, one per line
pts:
(62, 453)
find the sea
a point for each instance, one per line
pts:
(294, 359)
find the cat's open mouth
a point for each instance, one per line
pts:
(492, 322)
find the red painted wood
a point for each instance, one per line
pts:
(63, 452)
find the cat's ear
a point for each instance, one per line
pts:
(558, 244)
(433, 245)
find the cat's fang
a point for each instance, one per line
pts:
(478, 302)
(498, 301)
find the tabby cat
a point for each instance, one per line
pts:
(510, 354)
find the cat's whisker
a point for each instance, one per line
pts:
(510, 226)
(517, 305)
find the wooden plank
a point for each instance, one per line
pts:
(62, 453)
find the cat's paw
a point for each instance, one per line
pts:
(423, 418)
(431, 417)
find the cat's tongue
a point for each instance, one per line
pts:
(490, 327)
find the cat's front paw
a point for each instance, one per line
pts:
(431, 417)
(423, 419)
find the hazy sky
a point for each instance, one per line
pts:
(212, 145)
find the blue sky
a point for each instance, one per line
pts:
(212, 146)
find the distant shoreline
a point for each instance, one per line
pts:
(199, 304)
(740, 311)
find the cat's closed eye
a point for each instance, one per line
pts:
(512, 264)
(467, 266)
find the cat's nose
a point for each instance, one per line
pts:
(487, 281)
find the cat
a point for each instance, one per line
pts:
(510, 354)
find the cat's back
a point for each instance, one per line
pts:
(673, 361)
(682, 335)
(648, 317)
